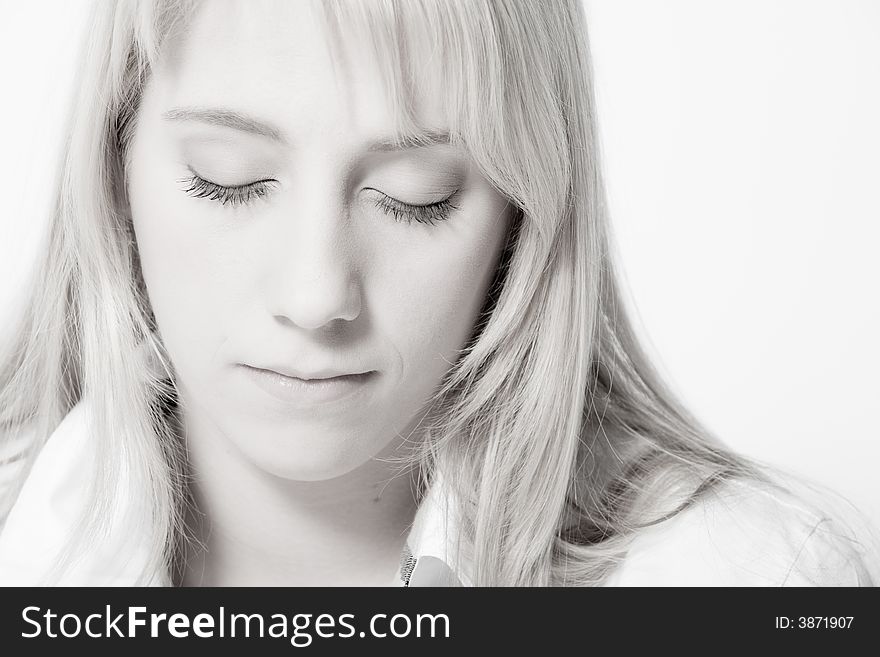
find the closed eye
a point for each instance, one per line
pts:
(198, 187)
(429, 213)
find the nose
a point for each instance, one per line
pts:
(316, 277)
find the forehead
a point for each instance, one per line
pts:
(305, 69)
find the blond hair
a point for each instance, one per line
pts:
(557, 434)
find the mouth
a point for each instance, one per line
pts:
(309, 391)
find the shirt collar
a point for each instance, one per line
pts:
(429, 551)
(52, 498)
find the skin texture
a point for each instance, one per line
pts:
(314, 273)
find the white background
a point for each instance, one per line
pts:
(742, 150)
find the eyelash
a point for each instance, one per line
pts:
(429, 214)
(198, 187)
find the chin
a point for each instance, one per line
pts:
(318, 458)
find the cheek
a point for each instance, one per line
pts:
(188, 269)
(430, 303)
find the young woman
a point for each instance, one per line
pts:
(328, 299)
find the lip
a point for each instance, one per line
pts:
(309, 393)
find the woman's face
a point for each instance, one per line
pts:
(279, 228)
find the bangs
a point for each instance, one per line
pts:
(417, 46)
(425, 51)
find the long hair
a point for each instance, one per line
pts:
(558, 436)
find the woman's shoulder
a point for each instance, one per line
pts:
(46, 515)
(36, 519)
(745, 534)
(12, 460)
(68, 436)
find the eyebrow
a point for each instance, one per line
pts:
(226, 119)
(233, 120)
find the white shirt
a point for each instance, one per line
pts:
(745, 537)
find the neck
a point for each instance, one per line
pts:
(254, 528)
